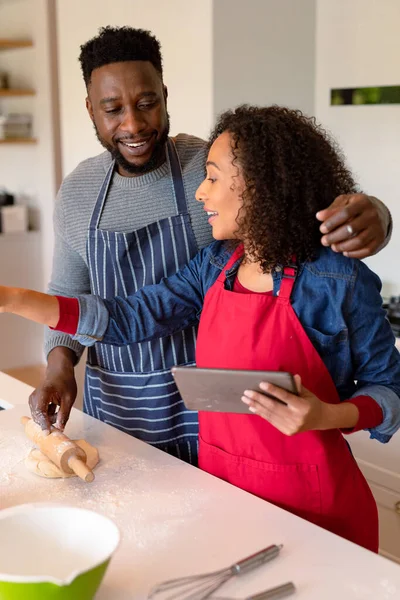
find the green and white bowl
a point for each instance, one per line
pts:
(53, 552)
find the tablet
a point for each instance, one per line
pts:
(220, 390)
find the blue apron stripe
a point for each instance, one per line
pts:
(138, 398)
(128, 256)
(173, 245)
(104, 263)
(150, 386)
(162, 353)
(150, 353)
(103, 355)
(96, 266)
(162, 250)
(132, 364)
(113, 360)
(138, 419)
(120, 288)
(120, 359)
(153, 274)
(173, 349)
(136, 376)
(87, 398)
(184, 346)
(188, 257)
(139, 409)
(139, 247)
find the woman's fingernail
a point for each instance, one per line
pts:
(264, 386)
(245, 400)
(252, 409)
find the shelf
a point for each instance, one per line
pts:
(15, 92)
(8, 44)
(19, 141)
(10, 237)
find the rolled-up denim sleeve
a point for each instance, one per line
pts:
(375, 358)
(152, 312)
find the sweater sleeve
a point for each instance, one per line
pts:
(70, 277)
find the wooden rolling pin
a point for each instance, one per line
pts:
(67, 455)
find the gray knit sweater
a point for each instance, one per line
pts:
(132, 203)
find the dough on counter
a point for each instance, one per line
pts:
(38, 463)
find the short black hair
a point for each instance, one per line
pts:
(119, 44)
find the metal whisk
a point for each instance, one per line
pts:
(200, 587)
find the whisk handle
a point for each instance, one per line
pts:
(255, 560)
(282, 591)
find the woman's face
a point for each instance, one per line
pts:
(222, 188)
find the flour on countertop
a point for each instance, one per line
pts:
(124, 485)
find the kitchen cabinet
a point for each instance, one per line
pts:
(380, 464)
(389, 520)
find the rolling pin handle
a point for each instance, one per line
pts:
(81, 469)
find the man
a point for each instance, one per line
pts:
(128, 217)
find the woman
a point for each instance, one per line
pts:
(269, 299)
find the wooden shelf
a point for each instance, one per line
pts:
(19, 141)
(16, 92)
(8, 44)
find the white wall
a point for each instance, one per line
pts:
(185, 32)
(264, 53)
(358, 44)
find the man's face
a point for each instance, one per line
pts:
(127, 104)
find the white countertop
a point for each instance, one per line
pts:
(177, 520)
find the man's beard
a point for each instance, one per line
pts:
(155, 161)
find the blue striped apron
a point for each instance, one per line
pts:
(132, 387)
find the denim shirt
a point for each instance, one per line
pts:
(336, 299)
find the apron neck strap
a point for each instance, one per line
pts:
(101, 198)
(238, 253)
(177, 178)
(289, 275)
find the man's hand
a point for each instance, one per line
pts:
(355, 224)
(304, 412)
(58, 390)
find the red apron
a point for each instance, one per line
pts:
(312, 474)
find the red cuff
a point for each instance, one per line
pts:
(370, 414)
(69, 315)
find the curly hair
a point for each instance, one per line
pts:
(291, 169)
(119, 44)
